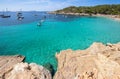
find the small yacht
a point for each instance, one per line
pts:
(5, 15)
(1, 15)
(40, 22)
(20, 16)
(35, 13)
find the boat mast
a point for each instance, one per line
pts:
(3, 12)
(6, 11)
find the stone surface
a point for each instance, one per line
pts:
(12, 67)
(97, 62)
(7, 63)
(28, 71)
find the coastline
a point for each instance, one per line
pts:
(14, 67)
(90, 63)
(98, 61)
(115, 17)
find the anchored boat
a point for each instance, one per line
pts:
(40, 22)
(20, 16)
(5, 15)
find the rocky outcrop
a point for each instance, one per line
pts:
(12, 67)
(28, 71)
(70, 13)
(115, 17)
(7, 63)
(97, 62)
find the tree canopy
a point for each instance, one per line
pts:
(99, 9)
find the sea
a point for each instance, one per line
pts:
(39, 44)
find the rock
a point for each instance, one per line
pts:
(50, 68)
(7, 63)
(97, 62)
(28, 71)
(12, 67)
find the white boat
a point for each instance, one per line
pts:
(20, 16)
(40, 22)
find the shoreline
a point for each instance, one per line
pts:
(14, 67)
(115, 17)
(100, 59)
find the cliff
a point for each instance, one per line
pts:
(97, 62)
(12, 67)
(28, 71)
(7, 63)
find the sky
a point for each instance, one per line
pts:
(49, 5)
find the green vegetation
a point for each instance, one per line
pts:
(100, 9)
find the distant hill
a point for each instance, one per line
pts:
(99, 9)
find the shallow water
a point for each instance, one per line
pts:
(39, 44)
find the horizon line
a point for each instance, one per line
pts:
(56, 9)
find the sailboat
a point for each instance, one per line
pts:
(1, 15)
(5, 15)
(20, 16)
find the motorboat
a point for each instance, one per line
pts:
(40, 22)
(20, 16)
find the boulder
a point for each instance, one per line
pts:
(28, 71)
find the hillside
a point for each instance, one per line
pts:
(99, 9)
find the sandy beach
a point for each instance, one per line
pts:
(115, 17)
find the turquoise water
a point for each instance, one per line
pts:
(39, 44)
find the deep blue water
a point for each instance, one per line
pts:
(39, 44)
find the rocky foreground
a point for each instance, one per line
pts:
(97, 62)
(12, 67)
